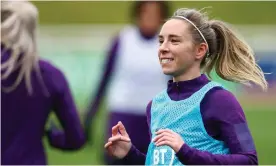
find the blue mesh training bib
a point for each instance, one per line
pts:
(184, 118)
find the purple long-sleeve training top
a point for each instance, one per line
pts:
(222, 115)
(23, 117)
(223, 119)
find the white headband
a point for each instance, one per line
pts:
(196, 29)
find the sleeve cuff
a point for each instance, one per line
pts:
(131, 153)
(184, 153)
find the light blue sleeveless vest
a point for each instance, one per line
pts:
(184, 118)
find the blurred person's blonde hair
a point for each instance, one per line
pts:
(18, 34)
(230, 56)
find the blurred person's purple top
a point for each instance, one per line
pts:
(223, 119)
(23, 117)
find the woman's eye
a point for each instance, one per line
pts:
(175, 41)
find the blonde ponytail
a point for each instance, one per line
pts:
(235, 59)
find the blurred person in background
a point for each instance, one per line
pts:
(30, 89)
(132, 74)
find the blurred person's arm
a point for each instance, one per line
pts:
(72, 136)
(108, 69)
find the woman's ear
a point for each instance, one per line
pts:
(201, 50)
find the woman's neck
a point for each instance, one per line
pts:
(186, 77)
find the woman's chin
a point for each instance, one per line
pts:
(167, 71)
